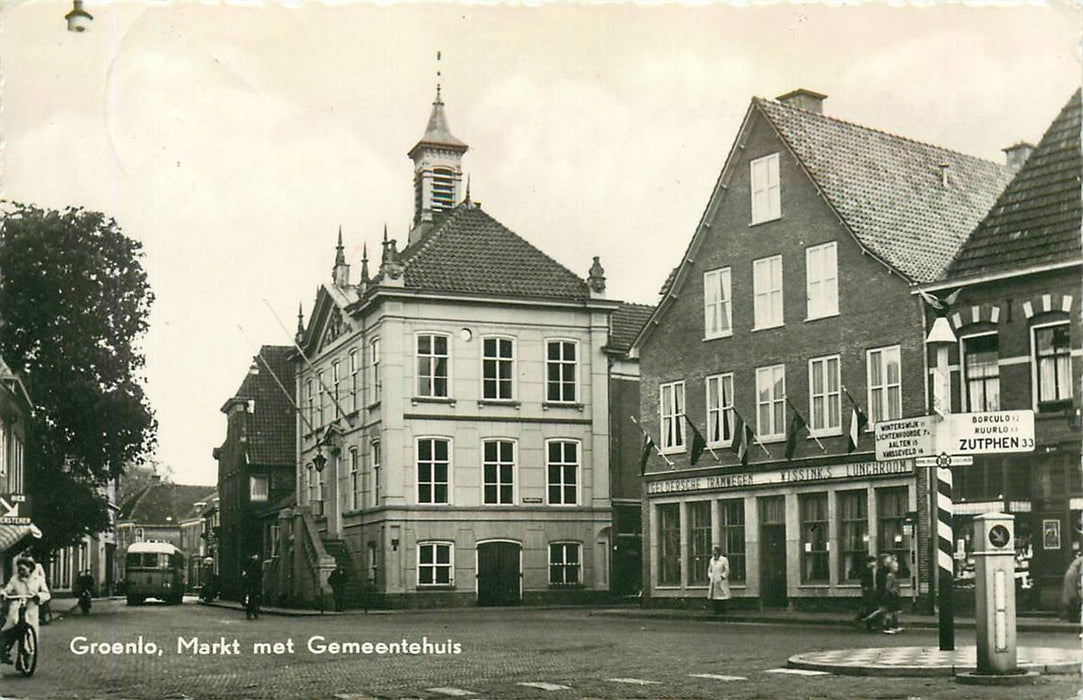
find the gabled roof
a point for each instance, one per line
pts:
(470, 252)
(889, 190)
(271, 424)
(624, 325)
(164, 504)
(1036, 221)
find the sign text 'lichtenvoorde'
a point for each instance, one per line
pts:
(781, 477)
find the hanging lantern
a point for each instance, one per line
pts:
(78, 19)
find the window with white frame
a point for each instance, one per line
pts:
(433, 467)
(981, 373)
(355, 480)
(825, 397)
(564, 564)
(310, 405)
(766, 192)
(323, 398)
(720, 409)
(1053, 367)
(562, 466)
(375, 457)
(561, 368)
(671, 409)
(258, 488)
(498, 467)
(355, 380)
(885, 384)
(374, 369)
(434, 566)
(717, 314)
(373, 566)
(822, 280)
(310, 478)
(336, 384)
(497, 368)
(771, 401)
(432, 365)
(767, 291)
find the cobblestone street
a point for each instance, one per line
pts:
(528, 653)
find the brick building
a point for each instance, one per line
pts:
(793, 297)
(1017, 320)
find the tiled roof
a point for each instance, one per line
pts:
(271, 425)
(165, 504)
(1036, 220)
(889, 189)
(470, 252)
(624, 325)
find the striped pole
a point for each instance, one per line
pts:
(945, 563)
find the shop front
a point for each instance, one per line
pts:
(796, 535)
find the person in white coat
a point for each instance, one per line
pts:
(718, 577)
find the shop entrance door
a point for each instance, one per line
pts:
(498, 573)
(773, 552)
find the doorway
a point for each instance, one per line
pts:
(773, 551)
(499, 573)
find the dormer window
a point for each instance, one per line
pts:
(766, 192)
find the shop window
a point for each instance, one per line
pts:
(732, 536)
(853, 509)
(669, 544)
(891, 516)
(699, 541)
(814, 553)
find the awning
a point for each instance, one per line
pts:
(11, 535)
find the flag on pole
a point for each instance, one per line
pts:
(648, 445)
(858, 421)
(797, 424)
(742, 438)
(698, 442)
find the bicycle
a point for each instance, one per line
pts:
(25, 642)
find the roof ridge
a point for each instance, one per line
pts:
(776, 103)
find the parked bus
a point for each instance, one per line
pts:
(154, 570)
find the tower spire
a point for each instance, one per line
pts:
(364, 263)
(340, 273)
(300, 323)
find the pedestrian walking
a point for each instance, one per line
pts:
(252, 576)
(869, 602)
(880, 572)
(718, 574)
(892, 598)
(1072, 589)
(337, 580)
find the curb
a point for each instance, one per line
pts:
(1028, 671)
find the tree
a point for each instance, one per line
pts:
(74, 302)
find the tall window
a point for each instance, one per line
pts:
(375, 457)
(336, 383)
(814, 564)
(258, 488)
(374, 368)
(17, 463)
(766, 199)
(767, 291)
(885, 387)
(771, 401)
(496, 365)
(310, 405)
(891, 517)
(498, 467)
(373, 567)
(562, 465)
(671, 407)
(560, 371)
(355, 480)
(432, 365)
(981, 372)
(355, 381)
(1053, 364)
(699, 540)
(825, 402)
(433, 465)
(853, 512)
(669, 544)
(313, 494)
(822, 280)
(717, 315)
(720, 409)
(434, 564)
(732, 536)
(564, 563)
(323, 398)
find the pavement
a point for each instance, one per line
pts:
(864, 661)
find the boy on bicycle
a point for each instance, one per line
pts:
(23, 583)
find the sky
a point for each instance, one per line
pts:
(234, 139)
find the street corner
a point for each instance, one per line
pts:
(929, 661)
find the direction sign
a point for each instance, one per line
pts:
(906, 437)
(14, 520)
(994, 432)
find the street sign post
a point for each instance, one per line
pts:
(906, 437)
(995, 432)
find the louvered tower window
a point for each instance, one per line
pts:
(443, 189)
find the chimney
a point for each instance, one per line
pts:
(1017, 155)
(945, 168)
(804, 99)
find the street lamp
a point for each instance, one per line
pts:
(78, 19)
(319, 461)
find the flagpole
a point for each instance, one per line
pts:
(810, 433)
(656, 447)
(755, 436)
(706, 446)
